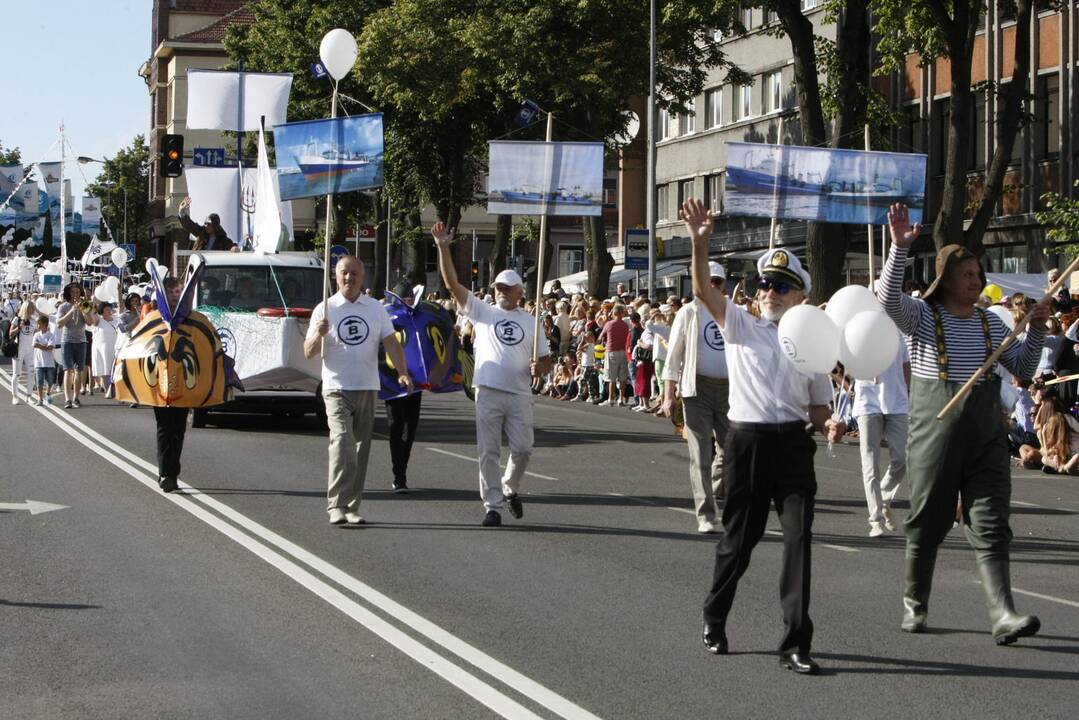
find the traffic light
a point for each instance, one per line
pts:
(475, 274)
(172, 155)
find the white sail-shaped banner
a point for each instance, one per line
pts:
(214, 99)
(216, 190)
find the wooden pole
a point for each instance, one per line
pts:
(992, 359)
(542, 235)
(329, 233)
(775, 186)
(869, 225)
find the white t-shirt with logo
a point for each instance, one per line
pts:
(356, 329)
(44, 358)
(711, 347)
(503, 347)
(27, 328)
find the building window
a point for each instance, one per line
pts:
(941, 117)
(713, 193)
(662, 212)
(1048, 120)
(808, 4)
(911, 132)
(664, 124)
(773, 88)
(689, 124)
(713, 108)
(744, 103)
(570, 260)
(686, 190)
(746, 16)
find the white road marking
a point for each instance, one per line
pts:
(35, 507)
(476, 460)
(1040, 596)
(454, 674)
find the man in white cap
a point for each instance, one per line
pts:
(768, 458)
(696, 369)
(504, 364)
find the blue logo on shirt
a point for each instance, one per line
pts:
(713, 338)
(228, 341)
(353, 330)
(509, 332)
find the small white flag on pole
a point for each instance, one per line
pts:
(269, 235)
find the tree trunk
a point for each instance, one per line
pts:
(1007, 126)
(948, 227)
(597, 258)
(414, 255)
(496, 263)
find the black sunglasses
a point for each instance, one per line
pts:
(764, 285)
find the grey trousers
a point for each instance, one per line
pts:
(880, 491)
(497, 412)
(351, 417)
(706, 432)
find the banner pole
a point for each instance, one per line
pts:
(869, 225)
(239, 239)
(539, 244)
(329, 231)
(775, 186)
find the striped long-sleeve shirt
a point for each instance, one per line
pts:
(964, 337)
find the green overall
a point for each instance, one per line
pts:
(964, 457)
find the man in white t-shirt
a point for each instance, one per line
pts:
(504, 345)
(347, 329)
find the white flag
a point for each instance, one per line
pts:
(96, 249)
(217, 190)
(213, 99)
(269, 235)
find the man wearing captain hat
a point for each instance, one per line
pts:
(504, 364)
(768, 458)
(696, 369)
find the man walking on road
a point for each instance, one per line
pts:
(347, 329)
(768, 457)
(504, 341)
(696, 369)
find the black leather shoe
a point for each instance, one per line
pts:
(492, 519)
(715, 640)
(800, 663)
(517, 509)
(168, 484)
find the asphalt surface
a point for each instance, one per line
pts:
(236, 598)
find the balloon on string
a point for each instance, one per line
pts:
(1004, 314)
(809, 339)
(101, 293)
(119, 257)
(869, 345)
(338, 52)
(849, 301)
(112, 283)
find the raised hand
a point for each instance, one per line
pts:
(185, 203)
(903, 234)
(698, 219)
(443, 236)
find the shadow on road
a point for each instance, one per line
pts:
(49, 606)
(901, 666)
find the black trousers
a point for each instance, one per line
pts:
(404, 415)
(763, 468)
(171, 426)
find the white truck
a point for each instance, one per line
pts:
(261, 305)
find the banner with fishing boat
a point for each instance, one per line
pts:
(823, 184)
(320, 157)
(545, 178)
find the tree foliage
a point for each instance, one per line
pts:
(128, 170)
(9, 156)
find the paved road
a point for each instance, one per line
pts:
(236, 599)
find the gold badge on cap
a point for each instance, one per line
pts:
(780, 259)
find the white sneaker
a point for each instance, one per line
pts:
(605, 403)
(706, 528)
(354, 518)
(337, 516)
(48, 400)
(876, 529)
(889, 522)
(14, 400)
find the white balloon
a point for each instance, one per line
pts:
(101, 293)
(338, 52)
(119, 257)
(112, 283)
(809, 338)
(1004, 314)
(869, 346)
(849, 301)
(46, 306)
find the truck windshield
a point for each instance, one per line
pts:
(250, 288)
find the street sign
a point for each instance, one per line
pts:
(368, 233)
(336, 253)
(129, 248)
(636, 257)
(208, 157)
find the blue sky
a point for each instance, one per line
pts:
(75, 61)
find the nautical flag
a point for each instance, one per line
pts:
(270, 237)
(216, 190)
(96, 249)
(91, 215)
(213, 99)
(50, 175)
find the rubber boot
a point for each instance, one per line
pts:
(919, 581)
(1008, 625)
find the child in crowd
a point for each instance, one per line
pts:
(44, 362)
(586, 358)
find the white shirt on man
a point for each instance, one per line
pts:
(887, 396)
(765, 386)
(503, 347)
(356, 329)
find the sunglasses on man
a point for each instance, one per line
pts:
(781, 287)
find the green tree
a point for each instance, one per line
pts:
(946, 29)
(126, 173)
(1061, 220)
(9, 156)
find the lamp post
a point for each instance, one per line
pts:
(83, 160)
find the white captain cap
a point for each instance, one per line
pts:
(508, 278)
(784, 265)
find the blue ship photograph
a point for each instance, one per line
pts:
(538, 178)
(320, 157)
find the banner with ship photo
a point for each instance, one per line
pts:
(319, 157)
(91, 215)
(823, 184)
(541, 178)
(50, 175)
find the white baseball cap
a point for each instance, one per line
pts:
(716, 270)
(508, 278)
